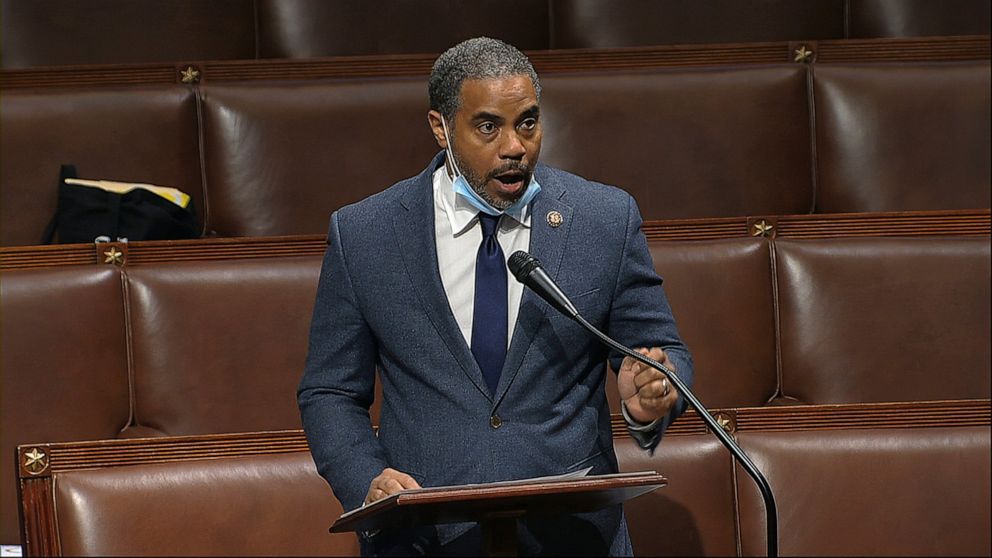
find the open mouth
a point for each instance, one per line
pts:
(510, 182)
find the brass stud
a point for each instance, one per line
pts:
(762, 228)
(725, 421)
(555, 219)
(114, 256)
(35, 461)
(190, 75)
(803, 55)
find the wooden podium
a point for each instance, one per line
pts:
(498, 506)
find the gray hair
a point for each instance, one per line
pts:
(478, 58)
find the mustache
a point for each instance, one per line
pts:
(512, 166)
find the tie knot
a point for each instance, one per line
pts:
(489, 224)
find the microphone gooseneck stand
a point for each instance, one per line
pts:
(721, 434)
(528, 270)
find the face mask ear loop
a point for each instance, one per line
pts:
(451, 152)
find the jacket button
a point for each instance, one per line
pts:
(495, 421)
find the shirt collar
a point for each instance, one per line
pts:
(461, 214)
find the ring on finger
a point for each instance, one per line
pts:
(667, 389)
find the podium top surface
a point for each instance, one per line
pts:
(476, 502)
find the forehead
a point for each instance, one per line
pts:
(506, 96)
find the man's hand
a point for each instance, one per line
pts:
(646, 392)
(389, 482)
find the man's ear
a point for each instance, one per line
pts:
(437, 128)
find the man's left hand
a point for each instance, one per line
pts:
(647, 393)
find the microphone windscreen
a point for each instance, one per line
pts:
(521, 264)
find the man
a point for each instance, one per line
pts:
(483, 381)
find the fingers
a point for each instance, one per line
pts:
(651, 394)
(654, 353)
(652, 384)
(634, 375)
(644, 374)
(389, 482)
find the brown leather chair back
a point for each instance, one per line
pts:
(694, 514)
(912, 18)
(308, 28)
(902, 137)
(871, 492)
(686, 143)
(220, 346)
(59, 32)
(63, 355)
(606, 23)
(280, 158)
(721, 295)
(263, 505)
(884, 319)
(133, 134)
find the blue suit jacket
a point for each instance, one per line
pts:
(380, 303)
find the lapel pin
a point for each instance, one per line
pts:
(555, 219)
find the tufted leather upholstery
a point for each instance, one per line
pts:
(602, 23)
(902, 137)
(265, 505)
(839, 491)
(882, 319)
(673, 138)
(63, 355)
(136, 134)
(60, 32)
(898, 492)
(220, 347)
(279, 157)
(909, 18)
(721, 294)
(307, 28)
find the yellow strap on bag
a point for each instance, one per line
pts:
(174, 195)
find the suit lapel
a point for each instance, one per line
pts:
(547, 243)
(413, 226)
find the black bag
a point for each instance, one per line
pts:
(86, 213)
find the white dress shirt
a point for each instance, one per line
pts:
(458, 235)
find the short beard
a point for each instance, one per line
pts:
(478, 183)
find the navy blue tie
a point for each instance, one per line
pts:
(489, 319)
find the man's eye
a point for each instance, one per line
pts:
(529, 124)
(487, 127)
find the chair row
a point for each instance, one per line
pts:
(194, 347)
(60, 32)
(844, 485)
(276, 157)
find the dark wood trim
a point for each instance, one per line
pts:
(917, 49)
(17, 257)
(39, 524)
(910, 223)
(977, 222)
(70, 456)
(966, 47)
(920, 414)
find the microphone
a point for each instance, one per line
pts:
(529, 271)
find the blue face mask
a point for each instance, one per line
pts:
(463, 189)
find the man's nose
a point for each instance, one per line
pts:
(510, 146)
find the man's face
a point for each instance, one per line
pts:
(496, 138)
